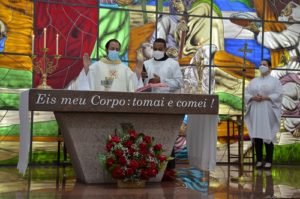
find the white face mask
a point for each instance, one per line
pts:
(263, 69)
(283, 18)
(158, 54)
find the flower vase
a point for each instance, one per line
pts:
(131, 184)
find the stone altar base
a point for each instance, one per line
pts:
(85, 137)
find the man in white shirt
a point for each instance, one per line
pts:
(107, 74)
(165, 71)
(162, 69)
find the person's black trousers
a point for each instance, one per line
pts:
(258, 143)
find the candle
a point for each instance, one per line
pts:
(45, 35)
(57, 43)
(32, 44)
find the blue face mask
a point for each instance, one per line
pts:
(113, 55)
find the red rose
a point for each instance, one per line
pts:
(118, 153)
(157, 147)
(151, 155)
(143, 146)
(142, 163)
(133, 164)
(162, 158)
(147, 139)
(145, 174)
(109, 162)
(115, 139)
(122, 160)
(128, 143)
(132, 134)
(129, 172)
(152, 172)
(118, 172)
(143, 152)
(131, 151)
(109, 146)
(152, 165)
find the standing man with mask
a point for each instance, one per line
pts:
(263, 98)
(162, 69)
(107, 74)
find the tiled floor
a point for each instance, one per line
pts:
(224, 182)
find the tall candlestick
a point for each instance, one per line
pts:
(45, 36)
(57, 43)
(32, 44)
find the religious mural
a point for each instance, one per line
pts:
(218, 38)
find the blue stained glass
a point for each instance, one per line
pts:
(232, 5)
(109, 5)
(2, 44)
(153, 3)
(232, 46)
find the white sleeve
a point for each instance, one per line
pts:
(278, 40)
(80, 83)
(276, 96)
(176, 81)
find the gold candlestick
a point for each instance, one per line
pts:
(44, 66)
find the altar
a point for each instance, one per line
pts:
(86, 118)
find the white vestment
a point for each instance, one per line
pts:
(122, 76)
(263, 118)
(201, 137)
(168, 71)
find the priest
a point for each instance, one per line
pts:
(107, 74)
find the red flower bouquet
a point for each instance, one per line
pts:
(133, 156)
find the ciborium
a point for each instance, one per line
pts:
(107, 83)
